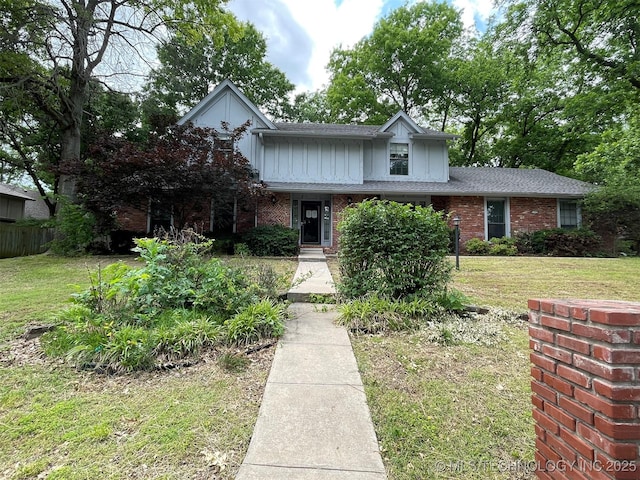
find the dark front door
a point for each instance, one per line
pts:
(310, 222)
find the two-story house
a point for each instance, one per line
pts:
(312, 171)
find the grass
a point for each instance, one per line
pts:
(455, 412)
(58, 423)
(437, 409)
(509, 282)
(464, 411)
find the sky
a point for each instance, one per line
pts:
(301, 34)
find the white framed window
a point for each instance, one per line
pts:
(497, 223)
(224, 143)
(569, 216)
(399, 159)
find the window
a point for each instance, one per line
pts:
(399, 159)
(224, 144)
(568, 214)
(496, 218)
(160, 217)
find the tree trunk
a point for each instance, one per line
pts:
(73, 104)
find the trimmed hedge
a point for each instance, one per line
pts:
(393, 250)
(272, 241)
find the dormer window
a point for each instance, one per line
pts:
(399, 159)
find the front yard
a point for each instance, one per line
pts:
(440, 410)
(464, 411)
(58, 423)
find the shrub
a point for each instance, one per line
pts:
(74, 230)
(504, 246)
(179, 302)
(272, 241)
(241, 249)
(573, 243)
(255, 322)
(560, 242)
(393, 250)
(477, 246)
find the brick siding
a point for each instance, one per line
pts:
(275, 213)
(532, 214)
(586, 388)
(471, 213)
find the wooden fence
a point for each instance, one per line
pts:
(17, 241)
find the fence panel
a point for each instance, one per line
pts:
(17, 241)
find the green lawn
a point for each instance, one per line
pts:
(58, 423)
(458, 411)
(510, 281)
(463, 411)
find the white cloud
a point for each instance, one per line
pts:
(301, 34)
(472, 10)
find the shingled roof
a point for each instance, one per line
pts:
(465, 181)
(336, 130)
(13, 191)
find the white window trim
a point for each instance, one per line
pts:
(507, 216)
(400, 141)
(578, 211)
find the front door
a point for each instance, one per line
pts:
(310, 222)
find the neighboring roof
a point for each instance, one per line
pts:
(216, 92)
(38, 208)
(337, 130)
(13, 191)
(465, 181)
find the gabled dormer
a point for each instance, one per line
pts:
(412, 153)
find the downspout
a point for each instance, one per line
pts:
(235, 214)
(255, 216)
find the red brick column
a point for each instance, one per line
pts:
(586, 388)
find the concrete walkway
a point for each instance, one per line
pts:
(312, 276)
(314, 422)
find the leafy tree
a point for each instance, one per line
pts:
(614, 208)
(479, 90)
(312, 107)
(56, 48)
(555, 108)
(401, 65)
(190, 69)
(617, 157)
(185, 168)
(602, 35)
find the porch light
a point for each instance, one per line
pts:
(456, 224)
(349, 200)
(274, 199)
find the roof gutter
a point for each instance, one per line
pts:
(297, 134)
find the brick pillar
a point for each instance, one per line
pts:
(586, 388)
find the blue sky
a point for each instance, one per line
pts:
(301, 33)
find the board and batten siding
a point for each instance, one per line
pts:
(230, 108)
(313, 161)
(428, 161)
(11, 208)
